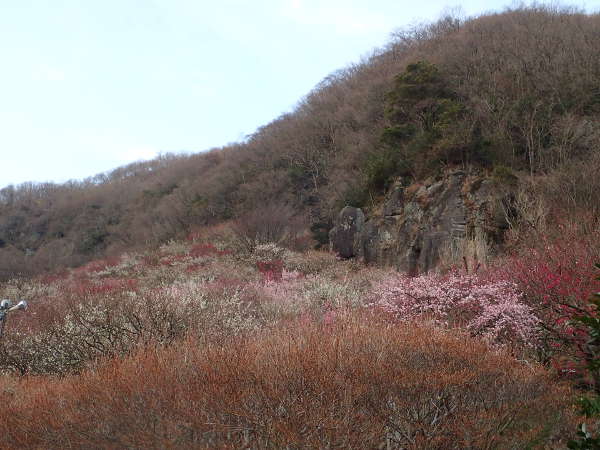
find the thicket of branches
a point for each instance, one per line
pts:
(517, 90)
(352, 384)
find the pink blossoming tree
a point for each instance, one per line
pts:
(492, 309)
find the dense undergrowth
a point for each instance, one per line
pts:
(242, 336)
(203, 343)
(355, 383)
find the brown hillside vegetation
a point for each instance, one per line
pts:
(514, 92)
(177, 303)
(202, 344)
(358, 383)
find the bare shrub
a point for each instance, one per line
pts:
(272, 223)
(111, 318)
(542, 204)
(351, 382)
(573, 189)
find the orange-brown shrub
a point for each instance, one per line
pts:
(354, 382)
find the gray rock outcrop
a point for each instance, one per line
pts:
(345, 237)
(421, 224)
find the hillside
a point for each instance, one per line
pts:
(201, 344)
(181, 302)
(513, 94)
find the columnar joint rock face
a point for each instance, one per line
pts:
(344, 238)
(421, 223)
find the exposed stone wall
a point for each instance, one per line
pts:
(345, 237)
(419, 224)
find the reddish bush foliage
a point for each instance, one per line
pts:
(557, 276)
(558, 271)
(194, 236)
(85, 287)
(355, 383)
(172, 260)
(270, 270)
(206, 249)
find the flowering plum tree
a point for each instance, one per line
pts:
(492, 309)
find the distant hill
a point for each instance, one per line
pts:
(511, 93)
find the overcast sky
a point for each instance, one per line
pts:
(89, 85)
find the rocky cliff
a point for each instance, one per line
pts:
(440, 221)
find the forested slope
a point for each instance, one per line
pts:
(515, 93)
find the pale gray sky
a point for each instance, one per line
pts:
(88, 85)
